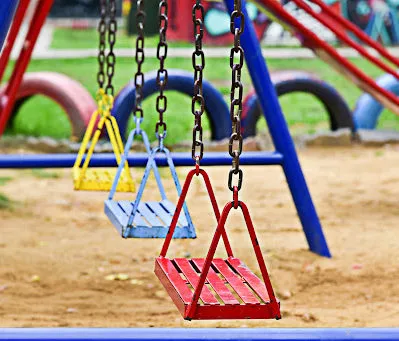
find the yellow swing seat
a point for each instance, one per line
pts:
(101, 179)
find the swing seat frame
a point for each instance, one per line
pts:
(139, 219)
(100, 180)
(212, 288)
(90, 179)
(228, 282)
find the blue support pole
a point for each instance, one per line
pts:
(281, 136)
(7, 10)
(194, 334)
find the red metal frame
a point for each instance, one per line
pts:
(197, 171)
(258, 298)
(344, 37)
(349, 26)
(8, 97)
(327, 53)
(12, 35)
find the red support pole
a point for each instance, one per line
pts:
(348, 25)
(7, 103)
(345, 38)
(12, 35)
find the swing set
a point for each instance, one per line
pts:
(238, 292)
(201, 288)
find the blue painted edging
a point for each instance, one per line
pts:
(158, 334)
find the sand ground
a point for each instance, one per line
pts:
(57, 248)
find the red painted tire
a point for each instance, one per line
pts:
(76, 101)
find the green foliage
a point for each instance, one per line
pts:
(39, 116)
(4, 180)
(43, 174)
(5, 202)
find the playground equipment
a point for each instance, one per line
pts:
(341, 28)
(288, 82)
(196, 334)
(19, 161)
(285, 154)
(368, 109)
(139, 219)
(75, 100)
(89, 179)
(197, 271)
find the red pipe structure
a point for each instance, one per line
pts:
(68, 93)
(341, 35)
(348, 25)
(12, 35)
(8, 97)
(327, 53)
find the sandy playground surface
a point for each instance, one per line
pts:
(57, 248)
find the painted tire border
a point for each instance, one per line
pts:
(76, 101)
(290, 81)
(181, 81)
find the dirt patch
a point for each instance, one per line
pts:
(57, 248)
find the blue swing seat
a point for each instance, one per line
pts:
(148, 219)
(152, 219)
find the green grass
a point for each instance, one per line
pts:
(40, 116)
(70, 38)
(5, 202)
(4, 180)
(43, 174)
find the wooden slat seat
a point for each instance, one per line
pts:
(152, 219)
(231, 290)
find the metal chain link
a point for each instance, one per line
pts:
(111, 59)
(162, 74)
(198, 102)
(138, 113)
(102, 26)
(237, 23)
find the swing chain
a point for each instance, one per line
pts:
(198, 61)
(138, 113)
(237, 23)
(111, 59)
(162, 74)
(102, 25)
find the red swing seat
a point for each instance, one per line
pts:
(236, 293)
(214, 288)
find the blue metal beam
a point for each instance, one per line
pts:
(160, 334)
(135, 160)
(7, 9)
